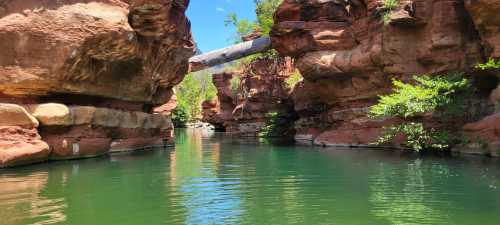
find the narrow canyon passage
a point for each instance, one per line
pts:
(201, 112)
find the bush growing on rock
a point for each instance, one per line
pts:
(264, 9)
(438, 96)
(491, 64)
(388, 6)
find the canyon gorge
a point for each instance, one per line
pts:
(84, 78)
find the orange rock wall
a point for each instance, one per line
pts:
(348, 56)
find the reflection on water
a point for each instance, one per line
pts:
(212, 179)
(407, 200)
(193, 173)
(21, 203)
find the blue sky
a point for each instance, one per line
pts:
(207, 21)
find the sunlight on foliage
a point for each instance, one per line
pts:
(235, 84)
(264, 10)
(191, 92)
(388, 6)
(295, 78)
(438, 95)
(272, 125)
(491, 64)
(409, 100)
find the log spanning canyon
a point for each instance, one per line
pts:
(228, 54)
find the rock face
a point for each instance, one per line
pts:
(102, 66)
(243, 108)
(219, 112)
(485, 16)
(20, 142)
(348, 56)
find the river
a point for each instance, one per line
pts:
(214, 179)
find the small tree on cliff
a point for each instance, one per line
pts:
(264, 10)
(440, 96)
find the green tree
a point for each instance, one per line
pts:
(439, 95)
(264, 10)
(265, 14)
(191, 92)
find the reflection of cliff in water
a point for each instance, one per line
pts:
(22, 202)
(194, 172)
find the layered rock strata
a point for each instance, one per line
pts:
(91, 72)
(348, 55)
(261, 89)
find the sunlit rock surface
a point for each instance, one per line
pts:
(242, 109)
(348, 56)
(101, 64)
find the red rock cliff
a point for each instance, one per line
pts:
(347, 56)
(262, 89)
(90, 73)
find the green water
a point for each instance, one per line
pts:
(218, 180)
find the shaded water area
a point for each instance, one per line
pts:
(212, 179)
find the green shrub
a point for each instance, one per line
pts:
(191, 92)
(235, 84)
(271, 127)
(440, 95)
(264, 10)
(491, 64)
(388, 6)
(180, 116)
(295, 78)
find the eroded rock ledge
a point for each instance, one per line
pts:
(102, 66)
(347, 57)
(242, 110)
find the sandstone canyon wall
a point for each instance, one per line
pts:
(348, 56)
(262, 89)
(80, 78)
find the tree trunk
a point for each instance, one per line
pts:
(228, 54)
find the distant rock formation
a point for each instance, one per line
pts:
(90, 73)
(262, 89)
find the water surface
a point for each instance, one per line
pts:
(219, 180)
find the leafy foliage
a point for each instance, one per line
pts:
(417, 136)
(264, 10)
(388, 6)
(271, 127)
(491, 64)
(243, 27)
(295, 78)
(191, 92)
(438, 95)
(235, 84)
(428, 94)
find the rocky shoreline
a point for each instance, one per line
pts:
(86, 78)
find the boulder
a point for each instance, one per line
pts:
(52, 114)
(16, 115)
(21, 146)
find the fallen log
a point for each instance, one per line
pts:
(228, 54)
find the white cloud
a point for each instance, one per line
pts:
(220, 9)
